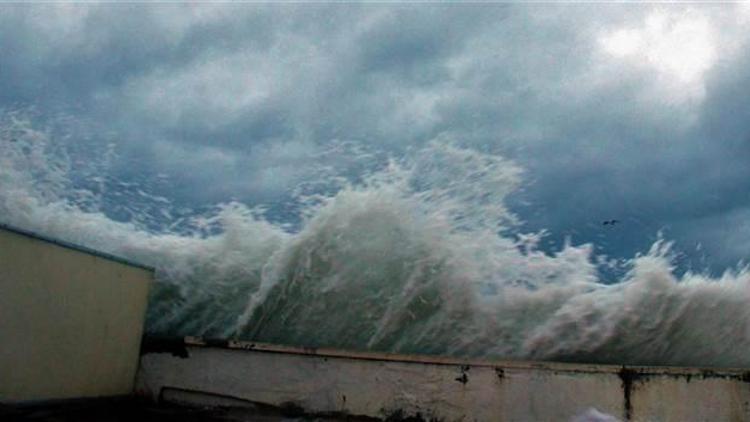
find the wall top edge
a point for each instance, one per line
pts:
(75, 247)
(179, 345)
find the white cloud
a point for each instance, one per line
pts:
(680, 45)
(214, 89)
(219, 86)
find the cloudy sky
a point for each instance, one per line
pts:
(635, 112)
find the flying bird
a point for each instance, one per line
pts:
(610, 222)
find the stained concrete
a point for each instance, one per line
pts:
(383, 386)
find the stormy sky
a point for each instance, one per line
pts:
(634, 112)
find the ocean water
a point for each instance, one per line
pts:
(418, 254)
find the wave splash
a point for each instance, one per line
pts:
(419, 255)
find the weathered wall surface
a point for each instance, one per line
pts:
(70, 320)
(379, 386)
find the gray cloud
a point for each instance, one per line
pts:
(242, 96)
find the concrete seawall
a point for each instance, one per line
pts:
(382, 386)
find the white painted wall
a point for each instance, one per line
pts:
(70, 321)
(377, 385)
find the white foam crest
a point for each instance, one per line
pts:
(653, 317)
(419, 256)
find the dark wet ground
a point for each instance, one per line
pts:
(134, 410)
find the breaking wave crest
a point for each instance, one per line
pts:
(419, 255)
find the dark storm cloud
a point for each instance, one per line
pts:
(239, 97)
